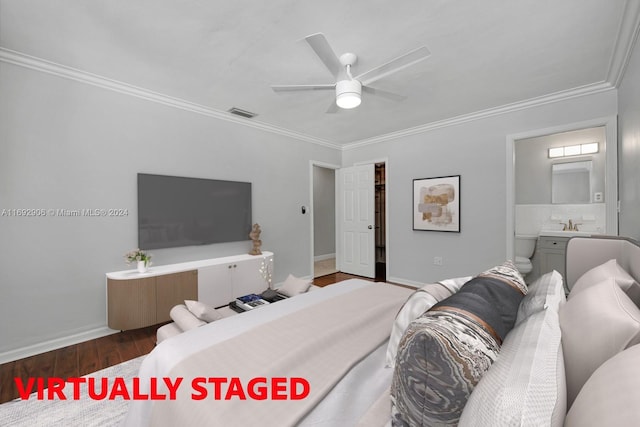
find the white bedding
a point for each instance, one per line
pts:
(362, 387)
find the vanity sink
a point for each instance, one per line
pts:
(567, 233)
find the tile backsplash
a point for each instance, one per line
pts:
(530, 219)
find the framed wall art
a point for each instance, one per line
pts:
(436, 204)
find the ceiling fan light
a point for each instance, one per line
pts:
(348, 93)
(348, 100)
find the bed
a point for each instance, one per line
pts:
(359, 353)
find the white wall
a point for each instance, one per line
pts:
(476, 150)
(69, 145)
(629, 151)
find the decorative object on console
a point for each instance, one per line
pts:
(255, 238)
(436, 204)
(250, 302)
(140, 257)
(266, 270)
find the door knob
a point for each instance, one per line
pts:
(370, 227)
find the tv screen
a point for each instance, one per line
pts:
(177, 211)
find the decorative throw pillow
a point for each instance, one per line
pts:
(596, 324)
(444, 353)
(547, 292)
(507, 273)
(610, 397)
(184, 318)
(526, 385)
(417, 303)
(203, 311)
(293, 286)
(493, 297)
(597, 274)
(441, 357)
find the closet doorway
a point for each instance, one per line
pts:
(329, 250)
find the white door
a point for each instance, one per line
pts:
(356, 220)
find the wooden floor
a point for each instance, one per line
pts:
(90, 356)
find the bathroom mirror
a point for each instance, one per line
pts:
(571, 182)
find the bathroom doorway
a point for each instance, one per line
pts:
(530, 207)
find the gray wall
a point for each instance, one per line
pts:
(533, 166)
(476, 150)
(629, 150)
(324, 211)
(69, 145)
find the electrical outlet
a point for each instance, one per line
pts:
(437, 260)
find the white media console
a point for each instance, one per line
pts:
(136, 300)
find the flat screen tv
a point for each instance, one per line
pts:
(178, 211)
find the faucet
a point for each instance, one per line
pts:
(571, 226)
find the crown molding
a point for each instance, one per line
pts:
(627, 37)
(42, 65)
(483, 114)
(624, 45)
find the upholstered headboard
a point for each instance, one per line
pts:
(584, 253)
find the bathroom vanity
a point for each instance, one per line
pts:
(551, 250)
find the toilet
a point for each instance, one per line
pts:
(525, 246)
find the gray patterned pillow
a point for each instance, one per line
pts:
(444, 353)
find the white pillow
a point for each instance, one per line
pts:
(203, 311)
(293, 286)
(546, 292)
(526, 384)
(184, 318)
(417, 303)
(597, 274)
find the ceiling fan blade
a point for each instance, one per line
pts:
(394, 65)
(333, 108)
(291, 88)
(383, 93)
(321, 47)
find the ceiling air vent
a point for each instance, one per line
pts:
(242, 113)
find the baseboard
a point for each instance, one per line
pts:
(43, 347)
(323, 257)
(406, 282)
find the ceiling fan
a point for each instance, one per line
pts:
(348, 88)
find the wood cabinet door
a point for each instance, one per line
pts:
(131, 303)
(173, 289)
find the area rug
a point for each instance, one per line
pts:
(82, 412)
